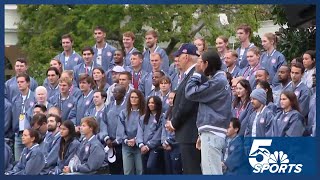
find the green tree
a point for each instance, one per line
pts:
(293, 41)
(41, 26)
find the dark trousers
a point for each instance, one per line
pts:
(152, 162)
(172, 160)
(117, 166)
(191, 158)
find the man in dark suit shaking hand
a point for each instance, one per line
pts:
(184, 113)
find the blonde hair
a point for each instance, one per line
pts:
(271, 37)
(255, 51)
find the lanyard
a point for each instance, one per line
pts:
(231, 70)
(23, 108)
(61, 101)
(239, 110)
(296, 85)
(155, 50)
(88, 94)
(165, 97)
(131, 51)
(88, 68)
(97, 112)
(250, 72)
(134, 81)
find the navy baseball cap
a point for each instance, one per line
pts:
(187, 48)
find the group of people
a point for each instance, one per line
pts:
(131, 112)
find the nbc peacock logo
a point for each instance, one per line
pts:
(262, 160)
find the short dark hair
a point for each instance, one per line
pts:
(38, 119)
(56, 118)
(298, 65)
(55, 71)
(34, 133)
(102, 92)
(236, 123)
(87, 48)
(67, 36)
(161, 73)
(120, 50)
(137, 53)
(128, 74)
(22, 60)
(100, 28)
(42, 107)
(26, 77)
(265, 70)
(288, 67)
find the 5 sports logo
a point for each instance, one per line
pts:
(263, 161)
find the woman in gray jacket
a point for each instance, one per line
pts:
(214, 112)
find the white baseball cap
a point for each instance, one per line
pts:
(118, 69)
(111, 153)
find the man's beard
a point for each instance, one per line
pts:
(51, 129)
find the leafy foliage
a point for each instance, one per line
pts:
(293, 42)
(42, 26)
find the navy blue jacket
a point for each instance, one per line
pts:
(113, 112)
(65, 106)
(150, 134)
(31, 162)
(17, 109)
(272, 62)
(69, 153)
(146, 60)
(244, 116)
(83, 106)
(12, 90)
(106, 56)
(91, 155)
(127, 126)
(263, 123)
(289, 124)
(242, 61)
(213, 115)
(74, 59)
(236, 161)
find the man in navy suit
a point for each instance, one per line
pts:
(185, 113)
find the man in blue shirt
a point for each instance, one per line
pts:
(68, 58)
(128, 41)
(11, 85)
(243, 33)
(151, 38)
(87, 66)
(103, 52)
(21, 103)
